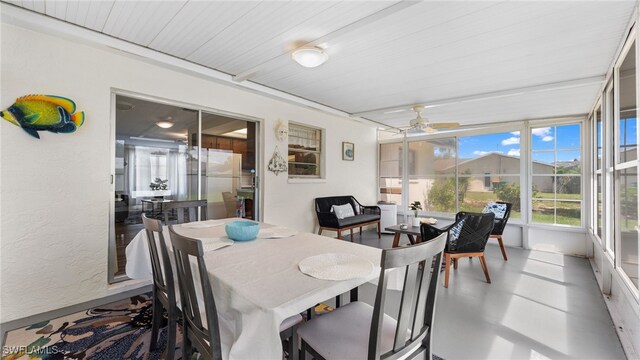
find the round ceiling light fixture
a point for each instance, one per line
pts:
(310, 57)
(165, 124)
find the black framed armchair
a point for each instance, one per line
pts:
(499, 225)
(329, 220)
(467, 237)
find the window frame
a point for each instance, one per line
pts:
(616, 166)
(530, 175)
(321, 153)
(598, 171)
(520, 126)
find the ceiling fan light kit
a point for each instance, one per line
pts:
(420, 125)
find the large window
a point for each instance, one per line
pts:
(432, 168)
(598, 141)
(304, 153)
(489, 170)
(626, 168)
(556, 181)
(390, 182)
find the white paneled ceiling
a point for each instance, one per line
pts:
(384, 54)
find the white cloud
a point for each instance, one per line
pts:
(514, 152)
(541, 132)
(547, 138)
(515, 133)
(480, 153)
(511, 141)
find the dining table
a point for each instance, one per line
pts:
(257, 284)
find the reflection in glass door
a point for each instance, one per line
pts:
(156, 162)
(228, 160)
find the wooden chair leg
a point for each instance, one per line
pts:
(504, 252)
(320, 231)
(379, 231)
(483, 263)
(455, 263)
(294, 353)
(447, 264)
(351, 238)
(339, 234)
(156, 320)
(187, 349)
(171, 337)
(360, 231)
(303, 350)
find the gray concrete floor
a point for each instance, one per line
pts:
(539, 306)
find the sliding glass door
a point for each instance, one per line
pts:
(166, 152)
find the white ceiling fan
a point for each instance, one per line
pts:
(421, 125)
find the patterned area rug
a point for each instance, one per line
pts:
(120, 330)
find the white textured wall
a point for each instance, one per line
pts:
(55, 191)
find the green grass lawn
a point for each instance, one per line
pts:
(568, 213)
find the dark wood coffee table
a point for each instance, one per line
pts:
(412, 232)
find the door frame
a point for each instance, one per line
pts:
(114, 92)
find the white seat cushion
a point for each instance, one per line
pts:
(343, 334)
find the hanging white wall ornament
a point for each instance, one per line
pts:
(282, 130)
(277, 164)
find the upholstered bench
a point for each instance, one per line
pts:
(333, 215)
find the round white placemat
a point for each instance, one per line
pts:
(333, 266)
(276, 233)
(202, 224)
(211, 244)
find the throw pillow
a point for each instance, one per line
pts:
(343, 211)
(498, 210)
(454, 232)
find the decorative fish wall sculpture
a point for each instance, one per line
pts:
(35, 113)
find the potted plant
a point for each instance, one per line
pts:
(416, 207)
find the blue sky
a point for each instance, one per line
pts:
(508, 143)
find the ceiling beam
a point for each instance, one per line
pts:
(492, 95)
(399, 6)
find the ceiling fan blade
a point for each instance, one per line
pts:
(451, 125)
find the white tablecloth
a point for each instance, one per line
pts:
(258, 284)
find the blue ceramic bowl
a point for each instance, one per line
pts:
(242, 230)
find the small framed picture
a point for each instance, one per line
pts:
(347, 151)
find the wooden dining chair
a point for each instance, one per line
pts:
(205, 335)
(186, 211)
(341, 334)
(467, 237)
(164, 293)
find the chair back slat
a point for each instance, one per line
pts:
(186, 211)
(413, 328)
(159, 254)
(407, 303)
(205, 337)
(419, 301)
